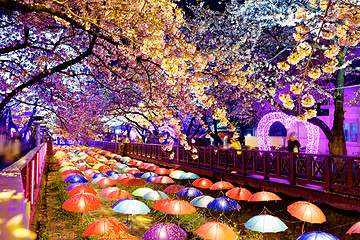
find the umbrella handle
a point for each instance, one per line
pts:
(204, 217)
(303, 228)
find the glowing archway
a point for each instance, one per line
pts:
(313, 132)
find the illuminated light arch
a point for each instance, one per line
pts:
(313, 132)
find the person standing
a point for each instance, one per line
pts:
(293, 143)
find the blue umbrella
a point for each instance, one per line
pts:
(148, 174)
(120, 166)
(189, 175)
(124, 169)
(266, 224)
(112, 172)
(155, 195)
(75, 179)
(189, 192)
(138, 175)
(115, 176)
(224, 204)
(96, 180)
(96, 175)
(130, 206)
(317, 236)
(75, 185)
(201, 201)
(151, 178)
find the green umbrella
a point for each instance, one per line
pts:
(96, 166)
(176, 174)
(67, 168)
(140, 192)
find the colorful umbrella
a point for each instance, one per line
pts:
(133, 171)
(133, 182)
(307, 212)
(95, 180)
(173, 188)
(138, 175)
(216, 231)
(115, 176)
(121, 166)
(189, 192)
(140, 192)
(163, 180)
(106, 182)
(124, 169)
(201, 201)
(239, 193)
(202, 183)
(224, 204)
(317, 236)
(125, 175)
(71, 171)
(162, 171)
(108, 190)
(74, 185)
(81, 189)
(148, 174)
(118, 236)
(189, 175)
(177, 174)
(161, 203)
(89, 171)
(104, 226)
(178, 207)
(264, 196)
(112, 172)
(155, 195)
(96, 175)
(151, 178)
(75, 179)
(165, 231)
(82, 202)
(130, 206)
(119, 194)
(354, 228)
(265, 224)
(221, 185)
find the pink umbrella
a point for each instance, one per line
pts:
(354, 229)
(108, 190)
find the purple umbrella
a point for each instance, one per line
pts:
(189, 192)
(164, 231)
(75, 179)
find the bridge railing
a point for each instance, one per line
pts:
(19, 187)
(325, 172)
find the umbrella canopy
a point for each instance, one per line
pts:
(239, 193)
(118, 236)
(96, 175)
(140, 192)
(108, 190)
(216, 231)
(155, 195)
(163, 180)
(138, 175)
(74, 185)
(119, 194)
(177, 174)
(133, 171)
(71, 172)
(202, 183)
(189, 192)
(115, 176)
(189, 175)
(95, 180)
(75, 179)
(221, 185)
(151, 178)
(130, 206)
(148, 174)
(124, 169)
(82, 202)
(133, 182)
(162, 171)
(106, 182)
(125, 175)
(104, 226)
(317, 236)
(173, 188)
(263, 196)
(112, 172)
(165, 231)
(265, 224)
(161, 203)
(121, 166)
(178, 207)
(224, 204)
(306, 211)
(81, 189)
(201, 201)
(354, 228)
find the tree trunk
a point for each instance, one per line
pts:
(337, 144)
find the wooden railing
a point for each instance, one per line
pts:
(105, 145)
(20, 184)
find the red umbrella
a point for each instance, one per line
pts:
(162, 171)
(202, 183)
(354, 228)
(118, 236)
(163, 180)
(178, 207)
(125, 175)
(264, 196)
(152, 168)
(108, 190)
(104, 167)
(307, 212)
(83, 167)
(114, 165)
(66, 172)
(239, 193)
(81, 189)
(82, 202)
(221, 185)
(216, 231)
(119, 194)
(133, 171)
(104, 226)
(173, 189)
(90, 170)
(138, 163)
(161, 203)
(106, 182)
(133, 182)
